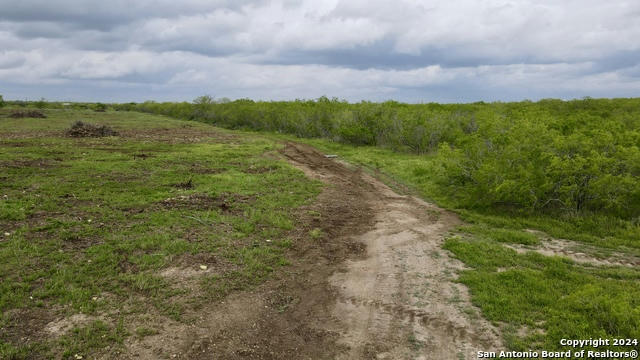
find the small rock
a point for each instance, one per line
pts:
(95, 298)
(203, 267)
(7, 234)
(78, 356)
(331, 156)
(89, 220)
(268, 240)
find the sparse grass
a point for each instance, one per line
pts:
(95, 336)
(92, 223)
(502, 235)
(143, 331)
(315, 233)
(564, 299)
(414, 343)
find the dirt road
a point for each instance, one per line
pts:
(375, 285)
(399, 300)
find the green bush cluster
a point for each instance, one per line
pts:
(573, 156)
(552, 155)
(100, 107)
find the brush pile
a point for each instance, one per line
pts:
(82, 129)
(18, 114)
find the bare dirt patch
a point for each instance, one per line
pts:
(252, 169)
(62, 326)
(142, 156)
(578, 252)
(226, 202)
(33, 163)
(185, 185)
(188, 269)
(25, 325)
(401, 300)
(186, 134)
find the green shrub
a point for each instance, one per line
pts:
(100, 107)
(569, 157)
(40, 104)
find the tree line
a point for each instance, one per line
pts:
(546, 156)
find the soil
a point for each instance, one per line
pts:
(578, 252)
(227, 202)
(374, 285)
(402, 301)
(185, 134)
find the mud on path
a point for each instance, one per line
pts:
(375, 285)
(399, 300)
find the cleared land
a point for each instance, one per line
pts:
(176, 239)
(110, 241)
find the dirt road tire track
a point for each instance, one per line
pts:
(400, 300)
(377, 285)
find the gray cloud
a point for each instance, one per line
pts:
(104, 15)
(456, 50)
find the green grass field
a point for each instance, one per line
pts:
(88, 225)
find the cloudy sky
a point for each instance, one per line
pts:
(408, 50)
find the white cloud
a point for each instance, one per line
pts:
(454, 50)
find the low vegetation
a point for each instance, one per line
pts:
(551, 156)
(97, 234)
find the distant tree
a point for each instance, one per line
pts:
(202, 105)
(1, 101)
(203, 100)
(100, 107)
(41, 104)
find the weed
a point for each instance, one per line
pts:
(315, 233)
(414, 343)
(143, 331)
